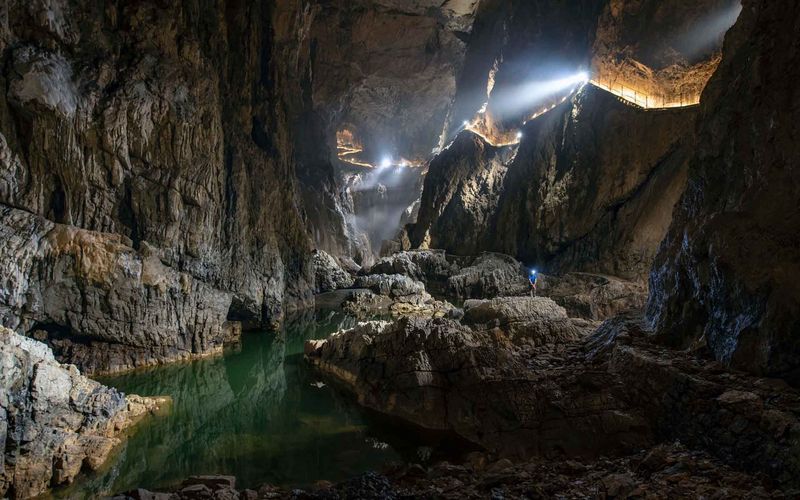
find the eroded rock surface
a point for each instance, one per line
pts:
(727, 273)
(517, 378)
(443, 375)
(396, 294)
(593, 296)
(102, 304)
(55, 422)
(329, 275)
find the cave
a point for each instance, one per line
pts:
(368, 249)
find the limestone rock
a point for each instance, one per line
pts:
(442, 375)
(396, 294)
(727, 272)
(489, 275)
(428, 266)
(147, 133)
(103, 305)
(329, 274)
(55, 422)
(593, 296)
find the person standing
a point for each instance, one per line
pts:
(533, 277)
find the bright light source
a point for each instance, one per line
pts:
(403, 163)
(466, 124)
(534, 94)
(386, 162)
(519, 135)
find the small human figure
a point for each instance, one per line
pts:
(532, 278)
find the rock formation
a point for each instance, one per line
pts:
(164, 128)
(727, 272)
(519, 379)
(591, 187)
(54, 422)
(329, 274)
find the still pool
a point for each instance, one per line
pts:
(258, 413)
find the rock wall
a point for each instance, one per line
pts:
(591, 187)
(592, 184)
(727, 272)
(166, 127)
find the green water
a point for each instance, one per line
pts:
(256, 412)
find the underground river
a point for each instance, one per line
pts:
(259, 413)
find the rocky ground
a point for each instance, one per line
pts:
(518, 378)
(54, 422)
(665, 471)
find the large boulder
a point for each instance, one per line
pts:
(329, 275)
(429, 266)
(54, 421)
(442, 375)
(593, 296)
(489, 275)
(396, 294)
(525, 320)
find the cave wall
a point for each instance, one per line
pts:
(726, 274)
(592, 183)
(164, 128)
(591, 187)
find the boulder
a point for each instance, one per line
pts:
(489, 275)
(593, 296)
(442, 375)
(525, 320)
(329, 274)
(55, 421)
(429, 266)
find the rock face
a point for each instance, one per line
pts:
(104, 305)
(727, 271)
(562, 393)
(661, 56)
(164, 127)
(328, 274)
(53, 421)
(593, 296)
(591, 187)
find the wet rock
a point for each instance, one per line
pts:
(329, 275)
(55, 421)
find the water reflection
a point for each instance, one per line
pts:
(257, 413)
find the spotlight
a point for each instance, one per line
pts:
(386, 162)
(519, 135)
